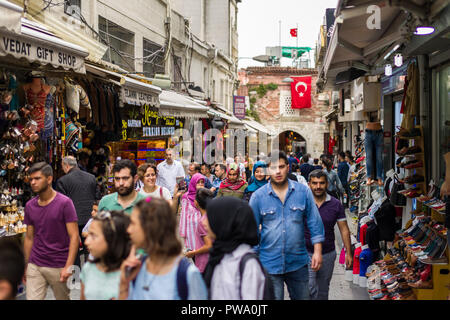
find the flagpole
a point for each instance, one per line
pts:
(297, 36)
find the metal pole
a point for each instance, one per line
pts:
(297, 35)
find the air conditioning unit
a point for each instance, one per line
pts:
(366, 95)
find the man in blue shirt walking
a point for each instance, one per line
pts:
(281, 209)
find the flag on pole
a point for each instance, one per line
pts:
(301, 92)
(294, 32)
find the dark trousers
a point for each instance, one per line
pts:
(83, 250)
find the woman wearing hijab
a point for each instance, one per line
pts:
(257, 181)
(233, 185)
(231, 225)
(190, 215)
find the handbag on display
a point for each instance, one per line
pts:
(397, 199)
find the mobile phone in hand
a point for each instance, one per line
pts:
(181, 183)
(128, 270)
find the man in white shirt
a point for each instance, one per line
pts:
(168, 171)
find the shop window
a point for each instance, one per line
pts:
(73, 8)
(285, 105)
(121, 44)
(153, 58)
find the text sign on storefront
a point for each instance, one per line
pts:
(136, 97)
(21, 47)
(140, 122)
(239, 107)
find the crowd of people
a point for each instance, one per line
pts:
(234, 230)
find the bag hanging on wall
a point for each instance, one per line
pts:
(397, 199)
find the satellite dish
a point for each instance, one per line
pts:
(262, 58)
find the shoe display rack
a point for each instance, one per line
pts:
(416, 267)
(415, 179)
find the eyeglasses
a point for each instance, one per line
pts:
(103, 215)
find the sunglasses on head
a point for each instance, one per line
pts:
(106, 215)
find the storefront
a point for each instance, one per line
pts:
(37, 119)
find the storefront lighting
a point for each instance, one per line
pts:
(398, 60)
(391, 52)
(423, 30)
(388, 70)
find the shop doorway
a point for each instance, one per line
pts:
(291, 141)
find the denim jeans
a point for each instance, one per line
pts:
(319, 281)
(374, 138)
(297, 284)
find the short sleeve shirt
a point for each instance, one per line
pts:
(51, 240)
(99, 285)
(157, 193)
(331, 212)
(109, 203)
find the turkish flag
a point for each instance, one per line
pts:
(301, 92)
(294, 32)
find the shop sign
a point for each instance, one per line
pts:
(22, 47)
(239, 107)
(136, 97)
(395, 82)
(145, 121)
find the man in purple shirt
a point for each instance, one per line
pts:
(52, 239)
(331, 211)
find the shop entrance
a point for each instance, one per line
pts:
(291, 141)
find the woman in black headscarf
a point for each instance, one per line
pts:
(231, 224)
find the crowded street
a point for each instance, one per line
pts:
(223, 151)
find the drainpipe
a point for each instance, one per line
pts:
(169, 36)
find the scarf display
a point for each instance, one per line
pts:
(233, 223)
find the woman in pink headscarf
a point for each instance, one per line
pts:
(190, 215)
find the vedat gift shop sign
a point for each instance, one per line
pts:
(33, 50)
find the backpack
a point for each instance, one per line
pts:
(182, 286)
(268, 285)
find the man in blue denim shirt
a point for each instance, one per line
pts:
(281, 209)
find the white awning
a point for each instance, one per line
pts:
(134, 92)
(10, 15)
(258, 126)
(35, 43)
(233, 122)
(177, 105)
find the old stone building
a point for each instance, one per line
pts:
(272, 103)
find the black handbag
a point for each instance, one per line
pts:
(397, 199)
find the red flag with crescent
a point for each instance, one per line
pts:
(301, 92)
(294, 32)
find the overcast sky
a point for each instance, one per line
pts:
(258, 25)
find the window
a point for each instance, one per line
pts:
(442, 136)
(154, 63)
(73, 8)
(121, 44)
(285, 105)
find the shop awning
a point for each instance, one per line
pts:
(10, 15)
(233, 122)
(35, 43)
(174, 104)
(258, 126)
(349, 47)
(134, 92)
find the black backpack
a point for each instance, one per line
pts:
(268, 285)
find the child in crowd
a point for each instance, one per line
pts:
(109, 244)
(204, 242)
(162, 273)
(94, 211)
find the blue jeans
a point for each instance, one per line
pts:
(297, 284)
(319, 281)
(374, 138)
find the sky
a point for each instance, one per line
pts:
(258, 26)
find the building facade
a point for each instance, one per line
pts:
(294, 127)
(193, 42)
